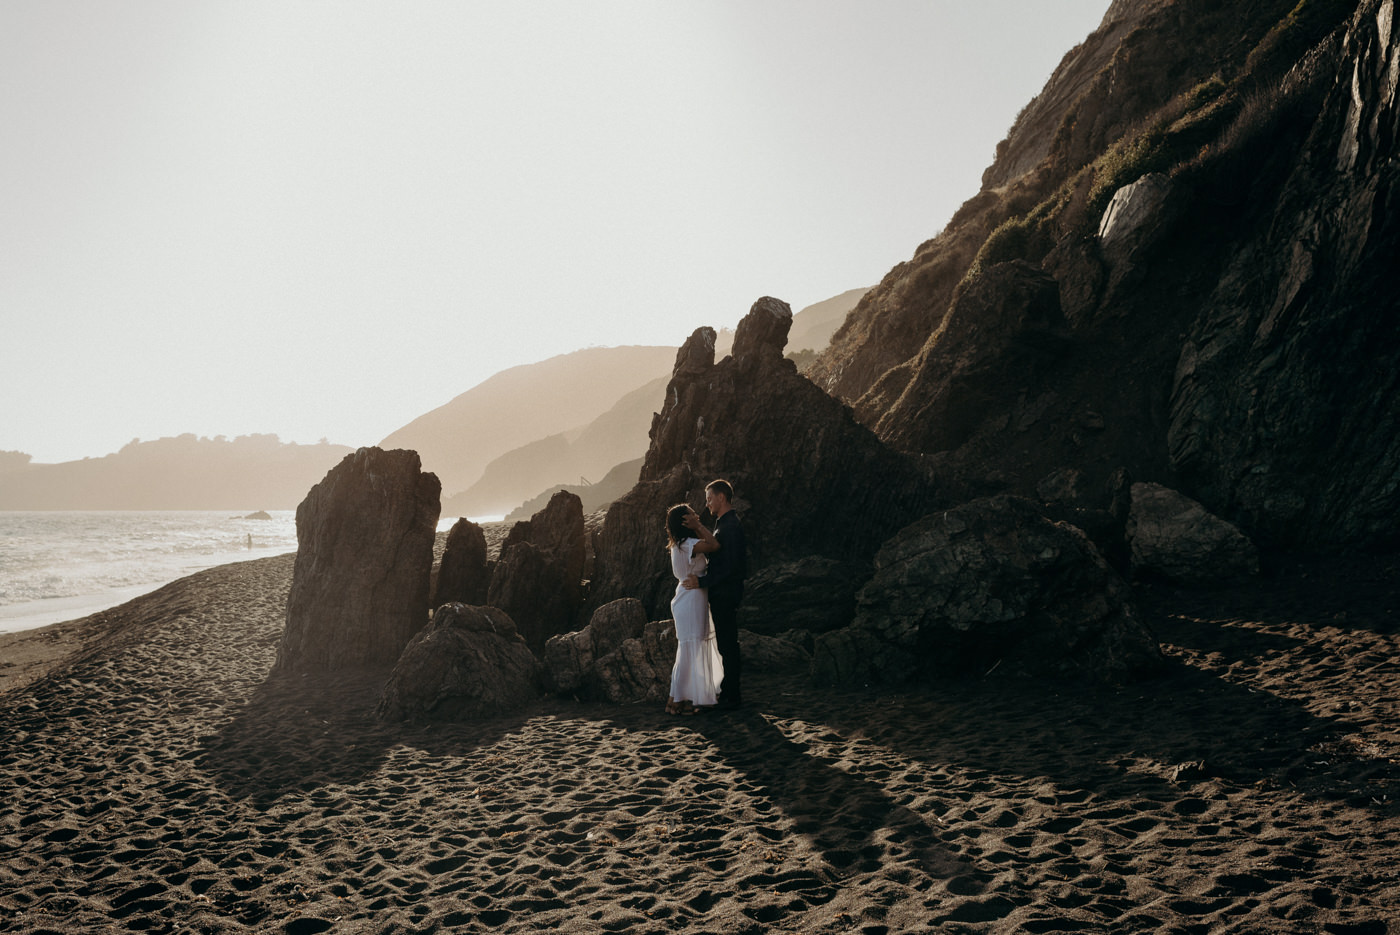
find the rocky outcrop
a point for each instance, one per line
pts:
(1232, 329)
(1003, 332)
(468, 662)
(991, 584)
(538, 578)
(1172, 536)
(569, 657)
(790, 451)
(364, 557)
(464, 574)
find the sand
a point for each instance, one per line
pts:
(156, 779)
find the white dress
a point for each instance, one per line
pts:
(698, 670)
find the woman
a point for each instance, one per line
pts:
(697, 673)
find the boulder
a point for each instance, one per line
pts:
(624, 658)
(464, 573)
(992, 584)
(1134, 216)
(814, 594)
(538, 578)
(1173, 536)
(791, 451)
(469, 661)
(569, 657)
(639, 670)
(364, 559)
(773, 653)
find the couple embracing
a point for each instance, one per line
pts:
(709, 569)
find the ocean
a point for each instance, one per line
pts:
(63, 565)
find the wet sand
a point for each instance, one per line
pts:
(157, 779)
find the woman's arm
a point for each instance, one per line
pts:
(708, 542)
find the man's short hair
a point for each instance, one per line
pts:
(722, 488)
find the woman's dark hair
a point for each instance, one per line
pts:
(675, 525)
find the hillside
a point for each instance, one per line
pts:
(524, 404)
(578, 458)
(580, 455)
(181, 473)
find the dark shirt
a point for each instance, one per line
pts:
(730, 563)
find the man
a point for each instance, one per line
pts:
(725, 581)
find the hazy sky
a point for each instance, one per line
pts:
(323, 219)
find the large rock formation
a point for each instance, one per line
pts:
(1198, 214)
(990, 584)
(1173, 536)
(464, 574)
(468, 662)
(808, 479)
(538, 579)
(364, 558)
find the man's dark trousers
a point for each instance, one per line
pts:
(724, 611)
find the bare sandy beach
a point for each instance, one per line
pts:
(156, 779)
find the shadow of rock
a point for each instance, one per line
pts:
(300, 732)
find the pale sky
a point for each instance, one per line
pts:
(323, 219)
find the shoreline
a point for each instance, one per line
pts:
(160, 778)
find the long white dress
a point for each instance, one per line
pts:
(698, 670)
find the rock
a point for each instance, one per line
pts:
(1133, 216)
(464, 573)
(697, 354)
(364, 558)
(772, 654)
(1189, 772)
(260, 514)
(762, 333)
(557, 530)
(1173, 536)
(790, 451)
(814, 594)
(529, 583)
(991, 584)
(538, 578)
(569, 657)
(639, 670)
(469, 661)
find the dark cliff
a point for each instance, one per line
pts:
(1179, 266)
